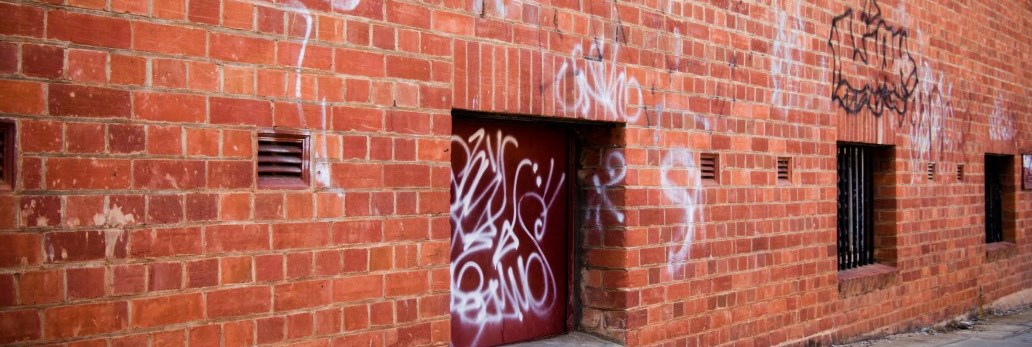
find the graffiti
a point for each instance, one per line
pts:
(1026, 171)
(682, 184)
(1001, 122)
(599, 203)
(490, 292)
(878, 46)
(786, 64)
(596, 86)
(500, 7)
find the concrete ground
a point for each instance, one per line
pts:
(1013, 329)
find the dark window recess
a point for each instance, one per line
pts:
(995, 166)
(855, 206)
(960, 172)
(7, 155)
(931, 171)
(783, 169)
(708, 166)
(282, 160)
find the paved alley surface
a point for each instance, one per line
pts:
(1011, 330)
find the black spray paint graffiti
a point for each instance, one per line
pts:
(878, 46)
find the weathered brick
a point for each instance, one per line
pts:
(69, 100)
(89, 30)
(169, 39)
(85, 319)
(169, 107)
(239, 302)
(167, 310)
(19, 326)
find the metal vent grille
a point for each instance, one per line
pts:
(709, 165)
(960, 172)
(931, 171)
(783, 165)
(282, 160)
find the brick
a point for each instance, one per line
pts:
(164, 276)
(236, 238)
(298, 295)
(22, 97)
(163, 141)
(242, 49)
(130, 6)
(8, 57)
(168, 174)
(165, 310)
(235, 206)
(83, 138)
(230, 174)
(203, 76)
(126, 138)
(238, 80)
(85, 283)
(96, 102)
(268, 206)
(356, 318)
(128, 69)
(174, 338)
(205, 11)
(41, 287)
(202, 273)
(21, 20)
(87, 66)
(89, 30)
(169, 9)
(169, 39)
(405, 284)
(202, 142)
(239, 302)
(237, 143)
(40, 136)
(202, 207)
(71, 246)
(299, 235)
(156, 243)
(359, 63)
(238, 334)
(328, 321)
(19, 326)
(85, 320)
(43, 61)
(299, 265)
(272, 329)
(356, 288)
(206, 336)
(164, 209)
(268, 268)
(235, 270)
(169, 107)
(299, 325)
(75, 173)
(129, 279)
(8, 291)
(168, 73)
(240, 112)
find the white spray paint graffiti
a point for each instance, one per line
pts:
(320, 156)
(682, 185)
(599, 201)
(1001, 122)
(785, 65)
(500, 7)
(485, 293)
(593, 86)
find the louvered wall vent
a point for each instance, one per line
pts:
(960, 172)
(783, 169)
(709, 166)
(6, 154)
(282, 160)
(931, 171)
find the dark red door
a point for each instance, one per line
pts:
(509, 247)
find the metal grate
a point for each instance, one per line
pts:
(282, 160)
(855, 207)
(994, 168)
(783, 165)
(931, 171)
(960, 172)
(708, 165)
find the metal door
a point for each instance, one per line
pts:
(509, 247)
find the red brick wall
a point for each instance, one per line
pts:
(135, 216)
